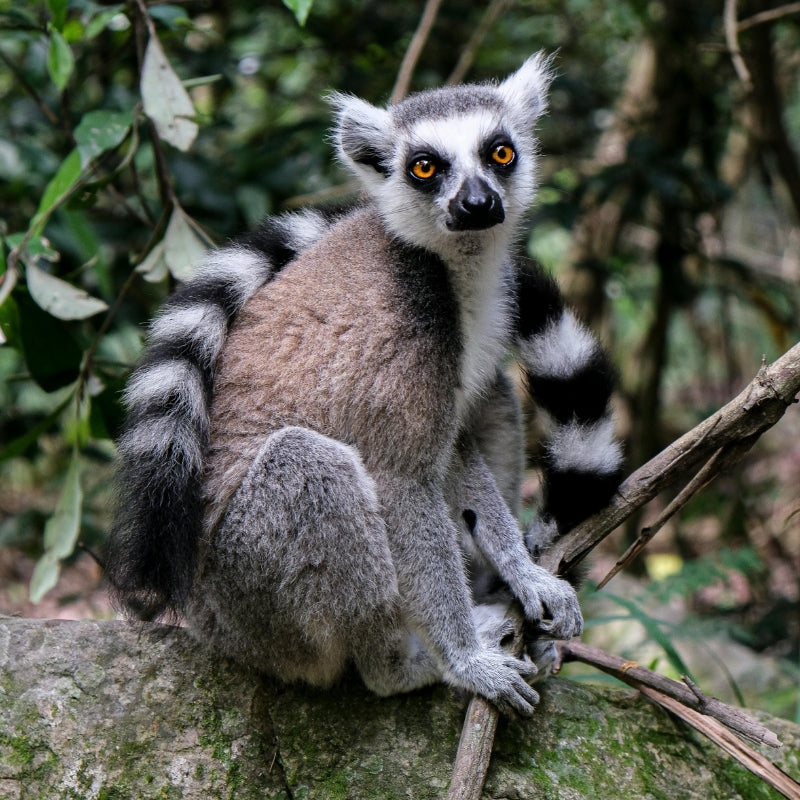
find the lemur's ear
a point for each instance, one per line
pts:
(362, 133)
(526, 89)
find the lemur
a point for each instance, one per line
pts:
(322, 458)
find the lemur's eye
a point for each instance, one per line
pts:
(503, 155)
(424, 169)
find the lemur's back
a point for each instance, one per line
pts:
(356, 339)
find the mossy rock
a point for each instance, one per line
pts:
(111, 711)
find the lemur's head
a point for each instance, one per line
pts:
(451, 163)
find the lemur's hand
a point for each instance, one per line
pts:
(551, 607)
(500, 678)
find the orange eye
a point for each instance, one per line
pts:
(503, 155)
(424, 169)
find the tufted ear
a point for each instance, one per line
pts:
(362, 133)
(526, 89)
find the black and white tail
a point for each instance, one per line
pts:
(151, 554)
(571, 380)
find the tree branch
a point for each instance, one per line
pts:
(477, 734)
(493, 11)
(686, 693)
(26, 85)
(414, 50)
(715, 444)
(734, 427)
(770, 15)
(732, 40)
(725, 457)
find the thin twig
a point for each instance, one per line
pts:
(474, 750)
(26, 85)
(686, 693)
(732, 40)
(698, 482)
(770, 15)
(414, 51)
(145, 17)
(165, 187)
(477, 735)
(493, 11)
(723, 459)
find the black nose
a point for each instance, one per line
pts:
(475, 207)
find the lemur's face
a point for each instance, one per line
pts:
(467, 173)
(465, 179)
(449, 169)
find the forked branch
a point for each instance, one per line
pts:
(716, 443)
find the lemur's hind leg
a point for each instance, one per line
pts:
(299, 579)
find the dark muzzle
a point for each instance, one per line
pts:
(476, 207)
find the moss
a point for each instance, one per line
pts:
(219, 736)
(34, 760)
(220, 726)
(111, 793)
(20, 752)
(748, 785)
(335, 786)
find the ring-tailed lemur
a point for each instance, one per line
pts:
(323, 455)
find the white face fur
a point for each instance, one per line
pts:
(451, 170)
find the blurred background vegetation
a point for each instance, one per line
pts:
(669, 211)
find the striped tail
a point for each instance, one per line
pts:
(151, 555)
(571, 379)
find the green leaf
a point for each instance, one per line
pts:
(58, 12)
(154, 268)
(59, 298)
(60, 61)
(45, 577)
(78, 428)
(165, 100)
(19, 15)
(51, 353)
(170, 15)
(99, 131)
(97, 24)
(58, 190)
(300, 8)
(73, 31)
(184, 248)
(9, 324)
(35, 247)
(60, 532)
